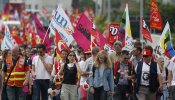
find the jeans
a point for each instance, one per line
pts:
(172, 93)
(100, 94)
(14, 93)
(40, 85)
(122, 92)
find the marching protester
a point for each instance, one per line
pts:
(89, 67)
(16, 68)
(56, 68)
(102, 82)
(136, 57)
(41, 72)
(70, 69)
(171, 79)
(163, 94)
(148, 79)
(83, 79)
(123, 73)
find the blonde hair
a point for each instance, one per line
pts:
(107, 61)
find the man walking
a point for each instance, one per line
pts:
(41, 70)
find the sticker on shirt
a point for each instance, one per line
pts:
(145, 78)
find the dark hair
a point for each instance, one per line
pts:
(125, 52)
(65, 50)
(41, 46)
(139, 48)
(23, 46)
(137, 44)
(148, 47)
(5, 54)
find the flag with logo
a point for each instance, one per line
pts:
(61, 22)
(155, 18)
(82, 32)
(165, 42)
(128, 36)
(145, 31)
(8, 42)
(60, 43)
(113, 33)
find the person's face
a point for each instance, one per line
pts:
(101, 58)
(125, 58)
(147, 59)
(27, 51)
(9, 53)
(118, 48)
(22, 51)
(135, 52)
(64, 54)
(71, 57)
(82, 57)
(161, 60)
(41, 52)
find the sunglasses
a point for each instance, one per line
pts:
(146, 56)
(126, 58)
(71, 55)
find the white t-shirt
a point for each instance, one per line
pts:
(171, 67)
(82, 65)
(41, 72)
(145, 73)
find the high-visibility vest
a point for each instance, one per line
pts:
(57, 67)
(17, 76)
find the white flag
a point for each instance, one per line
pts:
(8, 42)
(128, 36)
(61, 22)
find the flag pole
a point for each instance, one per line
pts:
(45, 34)
(109, 11)
(141, 14)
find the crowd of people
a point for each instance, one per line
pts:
(28, 73)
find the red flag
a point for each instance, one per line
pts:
(97, 38)
(42, 33)
(33, 41)
(14, 34)
(113, 30)
(155, 18)
(59, 43)
(145, 31)
(82, 32)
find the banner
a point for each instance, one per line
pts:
(82, 32)
(8, 42)
(155, 18)
(60, 43)
(145, 31)
(128, 36)
(61, 22)
(165, 42)
(113, 33)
